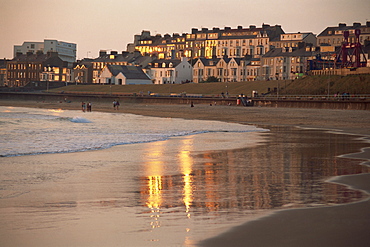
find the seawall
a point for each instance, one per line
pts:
(344, 104)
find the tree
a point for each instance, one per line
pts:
(211, 79)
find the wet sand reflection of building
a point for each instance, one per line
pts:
(288, 172)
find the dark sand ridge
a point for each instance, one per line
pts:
(344, 225)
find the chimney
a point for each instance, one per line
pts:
(356, 24)
(227, 28)
(39, 52)
(265, 25)
(252, 27)
(194, 30)
(342, 25)
(368, 24)
(102, 53)
(114, 52)
(204, 29)
(240, 27)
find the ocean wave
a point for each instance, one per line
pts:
(43, 132)
(80, 120)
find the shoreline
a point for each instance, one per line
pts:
(289, 227)
(345, 121)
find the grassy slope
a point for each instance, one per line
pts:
(312, 85)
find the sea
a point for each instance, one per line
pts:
(73, 178)
(31, 131)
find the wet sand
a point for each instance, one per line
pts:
(344, 225)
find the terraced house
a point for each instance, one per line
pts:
(209, 43)
(226, 69)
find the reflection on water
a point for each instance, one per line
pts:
(289, 171)
(186, 163)
(171, 193)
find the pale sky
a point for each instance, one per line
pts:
(111, 24)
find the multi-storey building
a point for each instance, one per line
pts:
(294, 40)
(251, 41)
(174, 71)
(25, 68)
(333, 36)
(99, 63)
(3, 72)
(66, 51)
(89, 70)
(287, 62)
(226, 69)
(209, 43)
(55, 69)
(83, 71)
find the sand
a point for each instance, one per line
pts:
(343, 225)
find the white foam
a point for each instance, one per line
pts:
(26, 131)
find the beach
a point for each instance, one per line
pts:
(344, 223)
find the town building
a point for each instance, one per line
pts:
(174, 71)
(83, 71)
(333, 36)
(287, 63)
(208, 43)
(66, 51)
(226, 69)
(25, 68)
(115, 58)
(123, 75)
(294, 40)
(3, 63)
(55, 69)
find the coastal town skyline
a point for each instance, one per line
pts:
(95, 26)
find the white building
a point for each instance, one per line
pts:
(123, 75)
(66, 51)
(173, 71)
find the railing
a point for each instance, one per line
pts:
(336, 97)
(359, 97)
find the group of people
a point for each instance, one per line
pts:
(86, 106)
(343, 96)
(115, 104)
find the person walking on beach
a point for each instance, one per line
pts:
(83, 105)
(89, 107)
(114, 104)
(117, 105)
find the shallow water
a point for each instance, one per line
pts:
(28, 131)
(173, 192)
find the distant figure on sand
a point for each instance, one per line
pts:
(114, 104)
(89, 107)
(191, 104)
(117, 105)
(83, 106)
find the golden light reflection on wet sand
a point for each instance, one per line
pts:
(192, 186)
(154, 166)
(56, 110)
(186, 162)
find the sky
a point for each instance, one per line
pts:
(111, 24)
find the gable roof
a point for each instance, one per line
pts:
(130, 72)
(166, 62)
